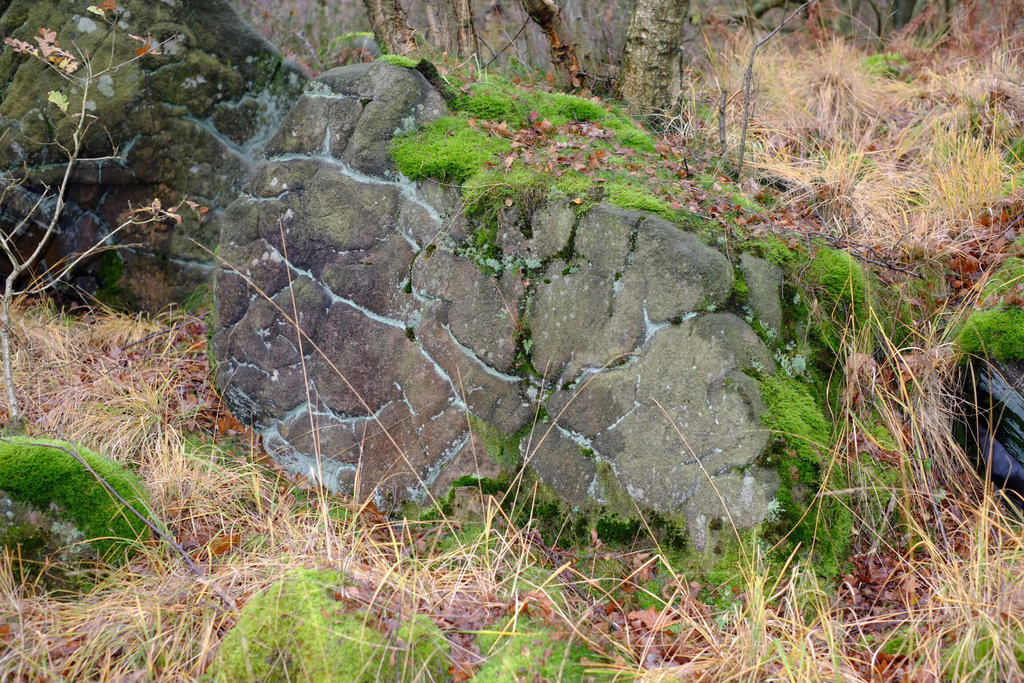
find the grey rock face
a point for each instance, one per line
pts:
(408, 345)
(764, 287)
(187, 123)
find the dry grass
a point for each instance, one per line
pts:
(935, 593)
(954, 605)
(907, 161)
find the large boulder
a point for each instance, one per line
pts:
(189, 122)
(597, 349)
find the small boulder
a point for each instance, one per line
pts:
(54, 510)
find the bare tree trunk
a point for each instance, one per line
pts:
(901, 11)
(548, 16)
(651, 73)
(390, 26)
(438, 31)
(467, 32)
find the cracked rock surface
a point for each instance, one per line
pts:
(606, 364)
(187, 123)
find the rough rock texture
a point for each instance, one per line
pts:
(764, 286)
(188, 122)
(604, 368)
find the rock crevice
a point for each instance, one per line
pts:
(593, 342)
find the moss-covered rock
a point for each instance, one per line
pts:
(530, 650)
(803, 440)
(186, 120)
(295, 630)
(448, 150)
(842, 290)
(996, 333)
(43, 474)
(399, 60)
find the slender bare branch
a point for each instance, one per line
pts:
(748, 77)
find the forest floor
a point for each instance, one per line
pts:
(910, 160)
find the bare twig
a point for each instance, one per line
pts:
(157, 531)
(748, 77)
(312, 51)
(508, 44)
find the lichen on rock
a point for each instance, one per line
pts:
(186, 121)
(593, 345)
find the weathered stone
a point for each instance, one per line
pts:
(484, 312)
(317, 125)
(682, 411)
(393, 100)
(313, 246)
(550, 226)
(187, 122)
(764, 289)
(563, 464)
(494, 397)
(416, 365)
(639, 270)
(734, 499)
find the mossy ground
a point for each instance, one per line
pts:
(40, 472)
(295, 630)
(803, 441)
(527, 649)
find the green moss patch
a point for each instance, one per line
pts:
(39, 472)
(423, 653)
(996, 333)
(399, 60)
(820, 525)
(501, 447)
(629, 196)
(841, 287)
(531, 650)
(887, 64)
(448, 150)
(295, 630)
(794, 416)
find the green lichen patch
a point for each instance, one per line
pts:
(295, 630)
(41, 472)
